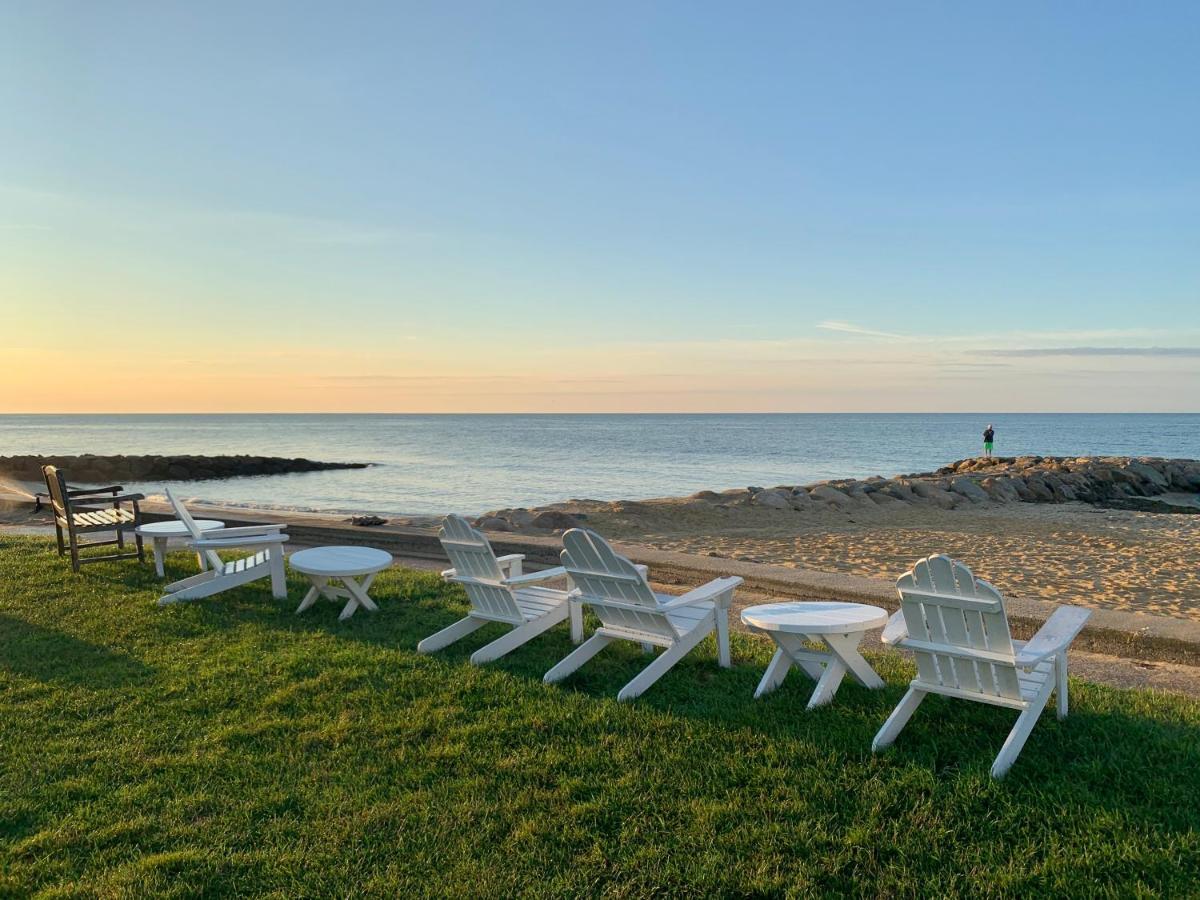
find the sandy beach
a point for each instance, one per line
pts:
(1069, 552)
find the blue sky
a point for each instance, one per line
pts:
(633, 206)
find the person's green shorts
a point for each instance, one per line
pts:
(987, 445)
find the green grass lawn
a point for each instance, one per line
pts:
(230, 747)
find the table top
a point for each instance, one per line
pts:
(815, 617)
(175, 528)
(340, 560)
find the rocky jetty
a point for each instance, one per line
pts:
(90, 469)
(1118, 482)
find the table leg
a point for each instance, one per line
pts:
(777, 669)
(845, 648)
(160, 548)
(828, 684)
(358, 596)
(310, 598)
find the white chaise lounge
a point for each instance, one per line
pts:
(266, 561)
(956, 626)
(629, 610)
(499, 593)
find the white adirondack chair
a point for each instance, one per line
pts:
(266, 561)
(499, 593)
(956, 626)
(629, 610)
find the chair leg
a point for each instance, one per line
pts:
(577, 657)
(513, 639)
(74, 554)
(449, 635)
(1060, 666)
(278, 574)
(576, 615)
(722, 637)
(661, 665)
(141, 550)
(898, 719)
(120, 539)
(1015, 741)
(62, 548)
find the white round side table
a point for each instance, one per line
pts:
(325, 565)
(840, 627)
(162, 533)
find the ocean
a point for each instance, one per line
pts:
(473, 463)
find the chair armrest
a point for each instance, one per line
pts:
(111, 489)
(896, 629)
(449, 574)
(534, 577)
(1054, 636)
(644, 571)
(243, 530)
(716, 589)
(510, 565)
(116, 498)
(266, 540)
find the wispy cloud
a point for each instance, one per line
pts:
(1033, 352)
(851, 328)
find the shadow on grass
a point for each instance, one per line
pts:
(35, 651)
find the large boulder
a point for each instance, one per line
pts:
(771, 500)
(554, 520)
(932, 493)
(899, 489)
(493, 523)
(969, 489)
(832, 496)
(1001, 489)
(1148, 474)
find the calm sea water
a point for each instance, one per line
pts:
(471, 463)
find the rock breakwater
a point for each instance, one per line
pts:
(88, 468)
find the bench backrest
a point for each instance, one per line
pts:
(56, 486)
(476, 569)
(957, 629)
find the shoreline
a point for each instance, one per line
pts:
(1059, 549)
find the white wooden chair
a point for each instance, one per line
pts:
(956, 626)
(499, 593)
(629, 610)
(266, 561)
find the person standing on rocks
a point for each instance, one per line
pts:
(989, 435)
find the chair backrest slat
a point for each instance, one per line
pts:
(603, 575)
(472, 557)
(181, 513)
(945, 604)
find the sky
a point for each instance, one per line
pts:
(599, 207)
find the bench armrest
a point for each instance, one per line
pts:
(510, 565)
(243, 531)
(265, 540)
(896, 629)
(1054, 636)
(534, 577)
(718, 590)
(111, 489)
(116, 498)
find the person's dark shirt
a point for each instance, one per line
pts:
(988, 435)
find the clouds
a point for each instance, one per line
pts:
(851, 328)
(1040, 352)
